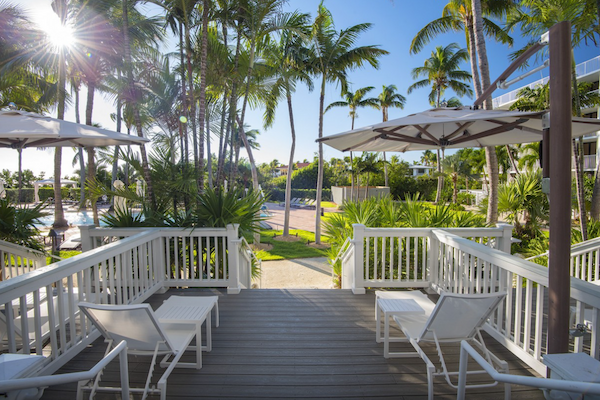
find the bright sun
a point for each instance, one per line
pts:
(59, 35)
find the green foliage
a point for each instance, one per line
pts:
(466, 198)
(523, 200)
(17, 224)
(277, 194)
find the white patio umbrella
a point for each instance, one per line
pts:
(21, 129)
(451, 128)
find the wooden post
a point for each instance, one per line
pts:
(560, 190)
(504, 242)
(86, 240)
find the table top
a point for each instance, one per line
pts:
(574, 366)
(18, 365)
(400, 306)
(171, 312)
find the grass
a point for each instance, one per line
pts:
(329, 204)
(289, 250)
(64, 254)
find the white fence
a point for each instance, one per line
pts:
(16, 260)
(402, 257)
(40, 308)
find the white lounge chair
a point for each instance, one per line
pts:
(454, 318)
(145, 336)
(32, 387)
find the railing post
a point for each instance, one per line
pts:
(433, 261)
(359, 261)
(86, 239)
(233, 256)
(159, 262)
(504, 241)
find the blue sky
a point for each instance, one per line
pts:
(395, 23)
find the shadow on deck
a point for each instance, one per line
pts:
(301, 344)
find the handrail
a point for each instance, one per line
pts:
(576, 249)
(340, 254)
(467, 350)
(41, 382)
(247, 247)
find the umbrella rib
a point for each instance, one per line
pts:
(494, 131)
(426, 133)
(523, 128)
(406, 138)
(461, 128)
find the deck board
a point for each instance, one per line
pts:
(301, 344)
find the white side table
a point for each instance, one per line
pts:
(390, 308)
(572, 367)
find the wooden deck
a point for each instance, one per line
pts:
(301, 344)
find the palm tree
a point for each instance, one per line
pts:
(354, 101)
(442, 71)
(389, 98)
(457, 16)
(456, 167)
(536, 17)
(287, 59)
(490, 153)
(369, 164)
(334, 55)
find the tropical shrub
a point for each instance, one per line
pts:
(277, 194)
(524, 203)
(17, 224)
(384, 212)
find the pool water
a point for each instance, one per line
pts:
(73, 218)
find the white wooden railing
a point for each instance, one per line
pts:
(16, 260)
(400, 257)
(519, 322)
(585, 260)
(40, 311)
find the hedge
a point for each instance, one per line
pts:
(28, 194)
(277, 194)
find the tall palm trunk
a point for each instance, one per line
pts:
(59, 215)
(136, 113)
(202, 99)
(80, 155)
(320, 165)
(440, 179)
(209, 164)
(490, 152)
(115, 166)
(91, 170)
(192, 103)
(288, 182)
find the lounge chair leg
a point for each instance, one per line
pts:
(430, 372)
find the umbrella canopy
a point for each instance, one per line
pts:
(451, 128)
(120, 203)
(20, 129)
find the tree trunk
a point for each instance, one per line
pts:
(440, 182)
(59, 215)
(473, 56)
(250, 156)
(209, 164)
(202, 99)
(20, 176)
(385, 170)
(115, 166)
(136, 113)
(490, 152)
(288, 182)
(320, 165)
(351, 177)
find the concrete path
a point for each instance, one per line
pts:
(300, 273)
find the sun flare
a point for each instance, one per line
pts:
(58, 34)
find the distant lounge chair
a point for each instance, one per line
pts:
(454, 318)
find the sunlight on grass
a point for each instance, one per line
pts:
(288, 250)
(329, 204)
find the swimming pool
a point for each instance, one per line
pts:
(73, 218)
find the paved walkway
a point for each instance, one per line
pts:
(300, 273)
(299, 218)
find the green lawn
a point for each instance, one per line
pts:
(328, 204)
(288, 250)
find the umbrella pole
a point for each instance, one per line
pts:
(560, 177)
